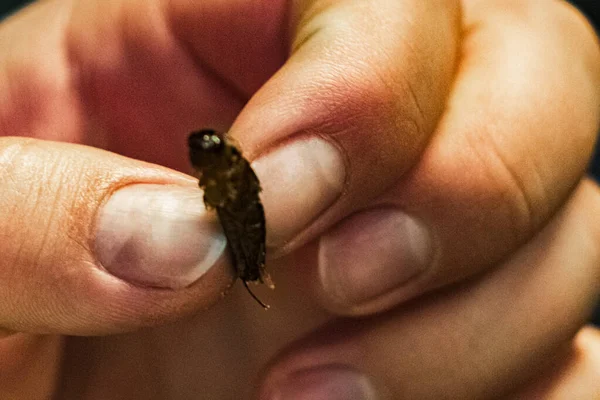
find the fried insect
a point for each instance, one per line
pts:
(231, 187)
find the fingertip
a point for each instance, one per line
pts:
(373, 260)
(331, 382)
(300, 179)
(97, 243)
(158, 235)
(108, 305)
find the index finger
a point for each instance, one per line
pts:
(514, 138)
(349, 112)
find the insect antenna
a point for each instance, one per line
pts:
(265, 306)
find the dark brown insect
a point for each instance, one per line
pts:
(231, 187)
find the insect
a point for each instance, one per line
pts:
(231, 188)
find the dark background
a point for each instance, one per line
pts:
(589, 8)
(7, 6)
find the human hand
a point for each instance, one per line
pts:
(384, 87)
(486, 182)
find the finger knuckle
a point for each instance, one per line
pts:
(512, 190)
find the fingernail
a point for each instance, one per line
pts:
(158, 235)
(325, 383)
(371, 254)
(299, 181)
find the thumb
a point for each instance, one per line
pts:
(95, 243)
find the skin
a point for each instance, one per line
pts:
(477, 118)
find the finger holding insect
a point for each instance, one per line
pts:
(98, 243)
(404, 212)
(328, 129)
